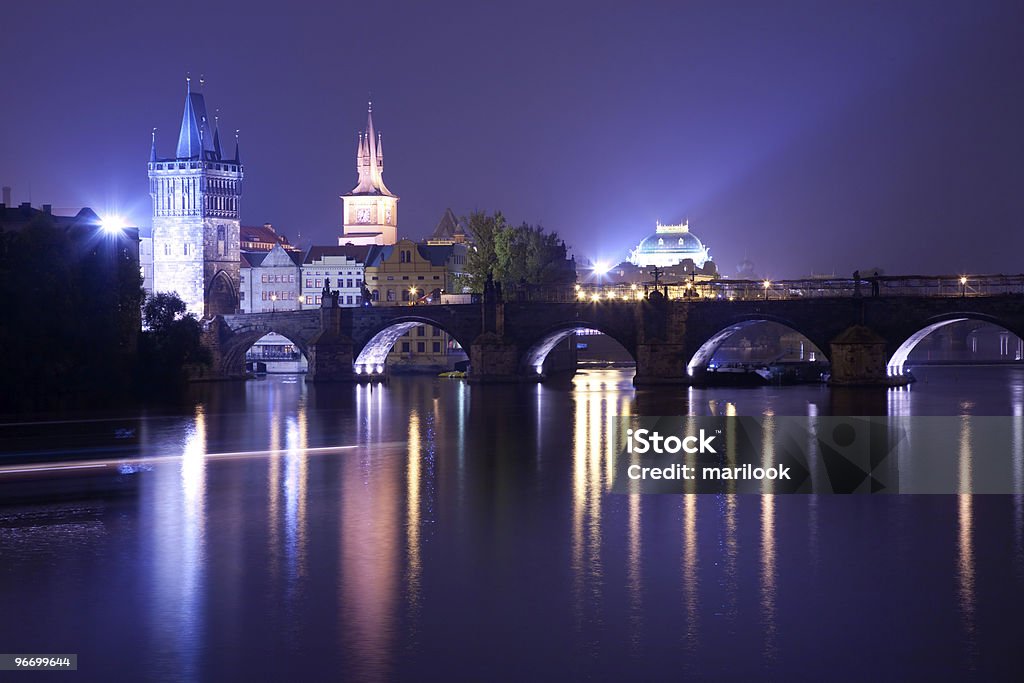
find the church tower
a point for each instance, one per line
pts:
(195, 215)
(370, 210)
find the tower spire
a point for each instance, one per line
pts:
(238, 158)
(189, 143)
(152, 148)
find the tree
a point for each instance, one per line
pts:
(525, 254)
(171, 345)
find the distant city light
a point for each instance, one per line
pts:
(581, 295)
(601, 268)
(596, 297)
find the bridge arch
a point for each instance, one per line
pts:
(373, 354)
(898, 359)
(233, 355)
(703, 355)
(532, 361)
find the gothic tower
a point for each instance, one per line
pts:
(370, 210)
(195, 215)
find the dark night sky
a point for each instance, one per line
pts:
(809, 136)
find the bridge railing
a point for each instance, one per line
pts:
(810, 288)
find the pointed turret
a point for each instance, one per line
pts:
(216, 134)
(238, 157)
(152, 149)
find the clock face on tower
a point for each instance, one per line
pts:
(363, 216)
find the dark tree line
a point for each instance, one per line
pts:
(70, 330)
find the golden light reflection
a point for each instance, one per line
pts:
(412, 506)
(965, 537)
(768, 574)
(691, 586)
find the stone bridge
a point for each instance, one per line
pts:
(866, 339)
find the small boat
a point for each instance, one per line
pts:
(453, 374)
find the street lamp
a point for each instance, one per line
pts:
(273, 303)
(963, 285)
(767, 284)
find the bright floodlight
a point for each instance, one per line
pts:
(112, 224)
(601, 268)
(767, 284)
(963, 279)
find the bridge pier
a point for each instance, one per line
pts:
(331, 354)
(493, 359)
(859, 359)
(660, 363)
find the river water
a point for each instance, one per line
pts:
(431, 530)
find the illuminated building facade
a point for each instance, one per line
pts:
(370, 210)
(669, 246)
(196, 195)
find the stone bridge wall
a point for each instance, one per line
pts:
(507, 341)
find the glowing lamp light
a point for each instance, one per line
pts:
(578, 288)
(633, 286)
(601, 268)
(963, 279)
(581, 295)
(540, 369)
(359, 369)
(596, 297)
(112, 224)
(611, 295)
(767, 284)
(380, 369)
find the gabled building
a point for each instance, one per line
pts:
(270, 281)
(448, 231)
(196, 196)
(408, 272)
(370, 210)
(338, 268)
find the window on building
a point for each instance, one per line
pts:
(241, 296)
(405, 295)
(309, 282)
(339, 282)
(437, 347)
(309, 300)
(421, 331)
(376, 295)
(391, 295)
(221, 240)
(437, 277)
(348, 299)
(405, 347)
(317, 300)
(319, 282)
(436, 332)
(167, 249)
(359, 284)
(421, 347)
(349, 282)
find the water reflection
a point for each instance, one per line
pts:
(369, 564)
(965, 541)
(412, 506)
(691, 585)
(179, 581)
